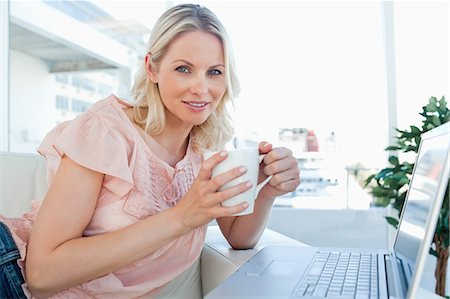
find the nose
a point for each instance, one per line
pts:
(199, 85)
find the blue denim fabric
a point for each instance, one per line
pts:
(11, 277)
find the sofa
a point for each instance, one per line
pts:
(23, 178)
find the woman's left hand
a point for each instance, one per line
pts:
(280, 163)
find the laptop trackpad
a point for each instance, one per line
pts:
(276, 268)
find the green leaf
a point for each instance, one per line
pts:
(424, 112)
(433, 252)
(369, 179)
(432, 107)
(393, 160)
(404, 181)
(442, 106)
(415, 130)
(429, 126)
(379, 192)
(417, 140)
(411, 148)
(392, 221)
(446, 117)
(399, 176)
(407, 167)
(382, 173)
(436, 121)
(382, 201)
(398, 204)
(393, 148)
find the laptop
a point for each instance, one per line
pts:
(311, 272)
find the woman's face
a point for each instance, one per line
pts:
(191, 78)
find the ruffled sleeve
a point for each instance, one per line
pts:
(93, 143)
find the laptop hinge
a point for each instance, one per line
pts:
(396, 283)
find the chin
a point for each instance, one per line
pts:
(196, 121)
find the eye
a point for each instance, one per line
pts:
(214, 72)
(182, 69)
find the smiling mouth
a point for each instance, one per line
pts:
(196, 104)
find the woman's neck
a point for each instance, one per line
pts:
(174, 143)
(170, 145)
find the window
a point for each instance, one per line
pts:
(80, 106)
(62, 78)
(83, 83)
(62, 102)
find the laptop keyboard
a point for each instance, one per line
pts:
(341, 275)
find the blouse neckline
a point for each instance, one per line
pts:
(179, 165)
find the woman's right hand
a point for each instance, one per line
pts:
(203, 201)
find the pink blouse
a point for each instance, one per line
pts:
(137, 184)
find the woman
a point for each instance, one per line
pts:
(129, 196)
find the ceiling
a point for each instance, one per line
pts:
(26, 41)
(60, 55)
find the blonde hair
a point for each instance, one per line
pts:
(217, 129)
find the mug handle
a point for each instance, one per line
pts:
(266, 180)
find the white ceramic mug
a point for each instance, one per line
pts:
(250, 158)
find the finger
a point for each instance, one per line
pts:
(228, 193)
(210, 163)
(223, 178)
(280, 166)
(229, 211)
(264, 147)
(276, 154)
(221, 211)
(282, 177)
(289, 186)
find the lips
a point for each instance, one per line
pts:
(197, 104)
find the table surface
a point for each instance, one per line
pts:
(239, 257)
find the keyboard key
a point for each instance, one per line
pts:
(333, 294)
(316, 269)
(348, 293)
(312, 280)
(310, 290)
(302, 289)
(320, 291)
(341, 275)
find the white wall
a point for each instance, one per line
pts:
(32, 101)
(422, 36)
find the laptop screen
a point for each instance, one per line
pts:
(423, 190)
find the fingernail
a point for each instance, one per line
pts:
(248, 184)
(223, 153)
(243, 169)
(245, 204)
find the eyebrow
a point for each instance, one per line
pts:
(190, 64)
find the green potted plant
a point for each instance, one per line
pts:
(391, 184)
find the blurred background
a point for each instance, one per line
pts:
(328, 79)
